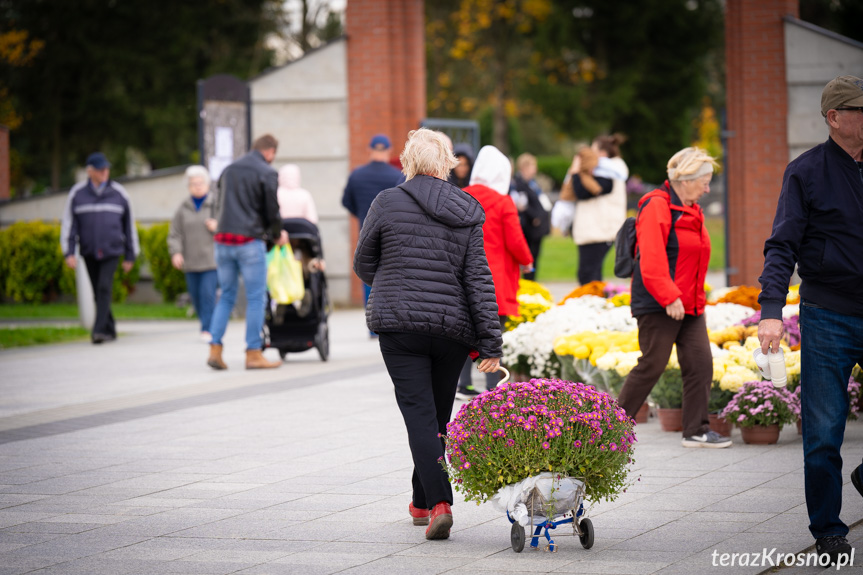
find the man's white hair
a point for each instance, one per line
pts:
(427, 153)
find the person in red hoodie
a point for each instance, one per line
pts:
(672, 252)
(505, 245)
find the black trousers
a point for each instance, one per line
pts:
(425, 371)
(534, 245)
(101, 274)
(657, 333)
(590, 258)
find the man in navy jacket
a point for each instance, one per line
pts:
(98, 218)
(818, 227)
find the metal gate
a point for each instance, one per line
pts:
(459, 131)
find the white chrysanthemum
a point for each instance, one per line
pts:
(723, 315)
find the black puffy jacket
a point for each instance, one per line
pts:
(421, 250)
(247, 203)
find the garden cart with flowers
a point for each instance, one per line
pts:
(543, 503)
(537, 450)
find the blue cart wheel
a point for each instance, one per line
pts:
(516, 536)
(586, 537)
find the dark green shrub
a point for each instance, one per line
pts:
(31, 261)
(167, 280)
(668, 391)
(555, 167)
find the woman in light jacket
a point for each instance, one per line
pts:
(190, 243)
(294, 201)
(505, 245)
(600, 209)
(432, 302)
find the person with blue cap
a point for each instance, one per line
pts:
(367, 181)
(98, 220)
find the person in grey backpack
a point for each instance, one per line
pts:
(818, 227)
(98, 220)
(432, 302)
(190, 243)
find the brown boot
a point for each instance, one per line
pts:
(215, 360)
(256, 360)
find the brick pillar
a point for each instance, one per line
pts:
(757, 110)
(386, 80)
(5, 192)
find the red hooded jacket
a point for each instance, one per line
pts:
(672, 253)
(505, 246)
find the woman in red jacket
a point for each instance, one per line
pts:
(505, 245)
(672, 253)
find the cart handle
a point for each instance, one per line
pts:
(505, 374)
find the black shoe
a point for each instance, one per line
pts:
(102, 337)
(466, 393)
(855, 479)
(834, 546)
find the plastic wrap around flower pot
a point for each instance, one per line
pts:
(543, 496)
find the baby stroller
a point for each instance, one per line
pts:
(302, 325)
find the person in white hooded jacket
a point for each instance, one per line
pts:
(294, 201)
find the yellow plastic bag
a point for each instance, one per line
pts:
(284, 276)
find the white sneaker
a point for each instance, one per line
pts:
(711, 439)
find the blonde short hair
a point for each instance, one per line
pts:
(690, 164)
(427, 153)
(524, 160)
(196, 172)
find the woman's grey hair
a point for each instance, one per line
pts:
(690, 164)
(427, 153)
(196, 172)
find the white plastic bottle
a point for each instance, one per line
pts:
(777, 367)
(762, 362)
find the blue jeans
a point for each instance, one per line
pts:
(202, 289)
(250, 261)
(831, 343)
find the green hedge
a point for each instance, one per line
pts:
(555, 167)
(32, 267)
(167, 280)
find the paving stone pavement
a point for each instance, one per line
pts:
(135, 458)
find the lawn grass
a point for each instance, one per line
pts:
(558, 258)
(25, 311)
(24, 336)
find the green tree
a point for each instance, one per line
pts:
(112, 75)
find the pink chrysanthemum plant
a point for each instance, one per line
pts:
(521, 429)
(760, 403)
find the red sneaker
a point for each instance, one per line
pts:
(420, 516)
(440, 521)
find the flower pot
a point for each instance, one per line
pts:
(670, 418)
(720, 425)
(760, 434)
(641, 416)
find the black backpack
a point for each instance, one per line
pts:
(624, 249)
(624, 245)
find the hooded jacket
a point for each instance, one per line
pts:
(421, 250)
(294, 201)
(672, 253)
(466, 151)
(504, 242)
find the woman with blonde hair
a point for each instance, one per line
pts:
(672, 252)
(190, 243)
(432, 302)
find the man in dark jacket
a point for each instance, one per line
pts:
(98, 218)
(366, 182)
(247, 209)
(817, 226)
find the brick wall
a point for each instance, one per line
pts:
(386, 80)
(757, 109)
(5, 193)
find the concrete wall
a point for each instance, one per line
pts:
(154, 199)
(304, 105)
(814, 56)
